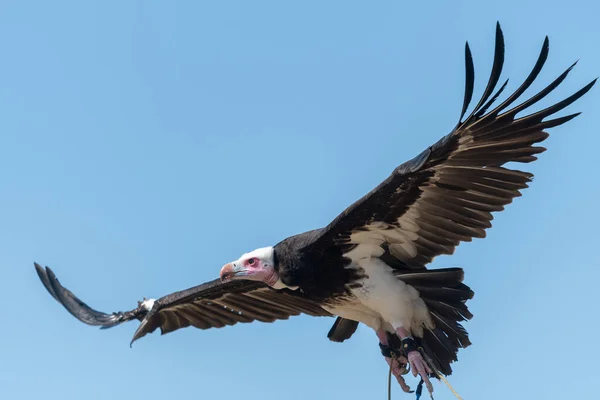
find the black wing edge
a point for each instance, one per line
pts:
(479, 116)
(342, 329)
(79, 309)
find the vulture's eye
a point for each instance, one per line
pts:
(251, 261)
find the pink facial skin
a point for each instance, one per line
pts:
(252, 268)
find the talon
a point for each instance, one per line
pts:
(398, 363)
(398, 370)
(420, 367)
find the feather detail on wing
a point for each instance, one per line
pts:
(81, 310)
(211, 305)
(447, 194)
(215, 304)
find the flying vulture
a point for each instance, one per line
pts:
(368, 265)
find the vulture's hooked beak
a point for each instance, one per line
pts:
(231, 271)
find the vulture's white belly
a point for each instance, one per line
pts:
(383, 300)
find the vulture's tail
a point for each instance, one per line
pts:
(445, 295)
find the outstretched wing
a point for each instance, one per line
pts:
(210, 305)
(79, 309)
(215, 304)
(447, 194)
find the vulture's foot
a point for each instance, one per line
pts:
(398, 365)
(419, 366)
(415, 358)
(394, 359)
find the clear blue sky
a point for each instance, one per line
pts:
(145, 144)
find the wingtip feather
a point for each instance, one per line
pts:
(469, 80)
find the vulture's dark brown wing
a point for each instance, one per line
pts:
(447, 194)
(215, 304)
(342, 329)
(211, 305)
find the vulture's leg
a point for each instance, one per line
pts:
(417, 363)
(396, 363)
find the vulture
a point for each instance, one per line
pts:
(369, 264)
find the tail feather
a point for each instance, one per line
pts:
(451, 311)
(453, 330)
(456, 292)
(440, 349)
(434, 275)
(445, 295)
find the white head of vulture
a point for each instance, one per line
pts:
(369, 264)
